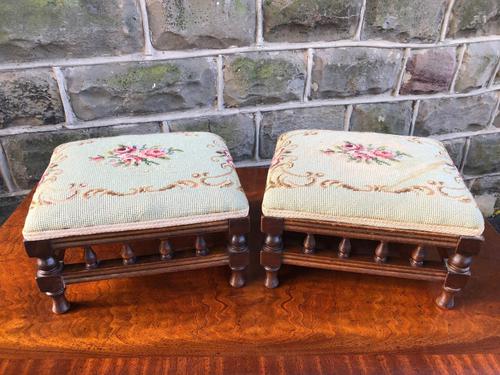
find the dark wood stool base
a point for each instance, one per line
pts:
(453, 270)
(53, 275)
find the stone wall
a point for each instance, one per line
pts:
(248, 70)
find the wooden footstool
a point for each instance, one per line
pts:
(130, 188)
(388, 189)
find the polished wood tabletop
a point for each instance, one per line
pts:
(193, 322)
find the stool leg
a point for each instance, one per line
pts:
(344, 248)
(309, 244)
(270, 258)
(238, 260)
(417, 256)
(381, 252)
(458, 275)
(201, 246)
(166, 251)
(90, 258)
(128, 256)
(50, 282)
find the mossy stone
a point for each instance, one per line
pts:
(474, 18)
(201, 23)
(450, 115)
(391, 118)
(404, 20)
(482, 157)
(42, 29)
(310, 20)
(29, 98)
(263, 78)
(101, 91)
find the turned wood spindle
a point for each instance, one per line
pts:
(381, 252)
(309, 244)
(166, 250)
(344, 248)
(272, 248)
(128, 255)
(201, 246)
(50, 282)
(90, 257)
(458, 274)
(417, 256)
(238, 260)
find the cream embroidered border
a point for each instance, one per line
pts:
(164, 223)
(436, 228)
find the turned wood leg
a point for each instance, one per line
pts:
(128, 255)
(201, 246)
(417, 256)
(381, 252)
(270, 258)
(238, 260)
(166, 250)
(458, 274)
(309, 244)
(90, 258)
(51, 283)
(344, 248)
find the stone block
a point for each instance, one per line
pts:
(310, 20)
(264, 78)
(429, 71)
(29, 97)
(28, 154)
(486, 191)
(478, 65)
(238, 132)
(101, 91)
(482, 157)
(343, 72)
(47, 29)
(201, 24)
(471, 18)
(449, 115)
(275, 123)
(392, 118)
(404, 20)
(455, 148)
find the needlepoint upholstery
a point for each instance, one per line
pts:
(369, 179)
(135, 182)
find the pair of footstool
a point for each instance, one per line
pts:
(332, 187)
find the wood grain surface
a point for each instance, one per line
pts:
(193, 322)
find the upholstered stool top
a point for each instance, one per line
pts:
(369, 179)
(135, 182)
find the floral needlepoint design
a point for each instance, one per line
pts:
(226, 157)
(367, 154)
(125, 156)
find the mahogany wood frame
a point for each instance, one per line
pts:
(52, 276)
(455, 270)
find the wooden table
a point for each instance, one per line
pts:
(194, 323)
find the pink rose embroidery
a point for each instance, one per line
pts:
(132, 155)
(366, 153)
(124, 150)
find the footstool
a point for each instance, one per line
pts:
(133, 188)
(366, 186)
